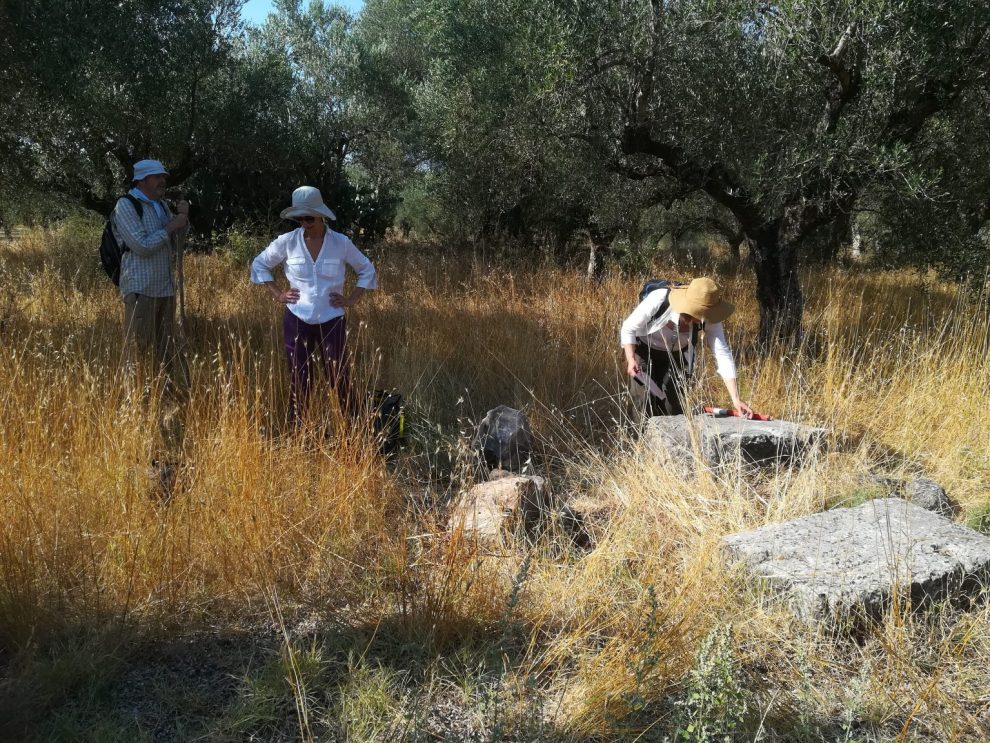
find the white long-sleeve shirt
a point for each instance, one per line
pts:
(663, 333)
(315, 280)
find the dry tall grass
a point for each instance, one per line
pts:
(270, 528)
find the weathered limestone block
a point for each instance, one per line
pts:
(504, 439)
(725, 440)
(848, 562)
(490, 509)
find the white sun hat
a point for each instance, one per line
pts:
(144, 168)
(307, 201)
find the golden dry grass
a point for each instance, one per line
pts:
(269, 528)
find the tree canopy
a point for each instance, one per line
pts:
(776, 123)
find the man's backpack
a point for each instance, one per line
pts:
(111, 252)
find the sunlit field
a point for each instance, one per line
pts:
(299, 586)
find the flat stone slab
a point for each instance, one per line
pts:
(726, 440)
(849, 562)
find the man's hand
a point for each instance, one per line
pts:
(632, 367)
(180, 221)
(182, 207)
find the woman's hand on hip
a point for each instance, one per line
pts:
(339, 300)
(289, 296)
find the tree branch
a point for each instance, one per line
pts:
(846, 80)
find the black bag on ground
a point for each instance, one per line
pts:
(111, 252)
(388, 420)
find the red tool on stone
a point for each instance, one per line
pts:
(727, 412)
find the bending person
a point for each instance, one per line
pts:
(314, 259)
(659, 339)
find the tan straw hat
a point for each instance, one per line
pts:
(702, 299)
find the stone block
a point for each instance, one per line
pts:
(726, 440)
(490, 509)
(849, 562)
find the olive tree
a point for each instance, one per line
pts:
(785, 113)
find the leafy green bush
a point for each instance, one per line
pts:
(238, 246)
(714, 701)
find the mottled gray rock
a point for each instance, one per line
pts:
(929, 495)
(848, 562)
(490, 509)
(504, 439)
(726, 440)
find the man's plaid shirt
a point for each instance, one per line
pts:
(146, 266)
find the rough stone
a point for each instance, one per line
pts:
(929, 495)
(585, 519)
(504, 439)
(490, 509)
(726, 440)
(848, 562)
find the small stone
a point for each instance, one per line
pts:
(585, 520)
(929, 495)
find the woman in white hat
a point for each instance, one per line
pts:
(659, 339)
(314, 258)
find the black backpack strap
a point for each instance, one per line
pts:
(138, 206)
(695, 331)
(664, 306)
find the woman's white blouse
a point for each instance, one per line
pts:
(315, 280)
(662, 332)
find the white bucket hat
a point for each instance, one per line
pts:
(144, 168)
(307, 201)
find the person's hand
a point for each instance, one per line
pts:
(743, 409)
(178, 222)
(632, 367)
(339, 300)
(182, 207)
(289, 296)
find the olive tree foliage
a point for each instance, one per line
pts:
(468, 86)
(786, 114)
(241, 116)
(280, 109)
(88, 87)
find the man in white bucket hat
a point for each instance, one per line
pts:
(659, 338)
(314, 258)
(146, 282)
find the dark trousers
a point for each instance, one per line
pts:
(668, 370)
(304, 344)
